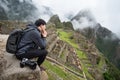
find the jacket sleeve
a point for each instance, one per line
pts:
(38, 40)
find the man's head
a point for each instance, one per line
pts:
(40, 23)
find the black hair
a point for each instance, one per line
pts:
(40, 22)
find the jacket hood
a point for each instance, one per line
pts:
(31, 26)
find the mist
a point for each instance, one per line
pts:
(82, 23)
(106, 12)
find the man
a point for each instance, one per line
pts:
(34, 42)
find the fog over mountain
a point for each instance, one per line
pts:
(83, 19)
(24, 10)
(106, 12)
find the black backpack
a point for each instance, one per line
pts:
(14, 39)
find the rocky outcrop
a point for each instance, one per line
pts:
(68, 25)
(13, 71)
(56, 21)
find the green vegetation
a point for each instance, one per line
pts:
(104, 67)
(81, 54)
(107, 76)
(62, 56)
(101, 62)
(85, 69)
(68, 25)
(58, 72)
(56, 21)
(108, 48)
(112, 73)
(64, 35)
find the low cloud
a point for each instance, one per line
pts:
(106, 12)
(82, 23)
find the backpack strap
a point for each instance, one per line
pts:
(28, 29)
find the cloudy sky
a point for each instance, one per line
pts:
(106, 12)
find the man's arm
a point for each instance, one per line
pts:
(38, 40)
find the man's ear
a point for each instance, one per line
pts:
(39, 28)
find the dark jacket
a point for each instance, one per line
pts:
(32, 40)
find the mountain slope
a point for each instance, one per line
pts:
(82, 58)
(105, 40)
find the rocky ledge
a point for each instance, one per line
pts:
(10, 66)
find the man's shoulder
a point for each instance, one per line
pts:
(34, 33)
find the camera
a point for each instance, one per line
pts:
(29, 63)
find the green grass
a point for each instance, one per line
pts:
(65, 36)
(62, 55)
(101, 63)
(111, 72)
(58, 71)
(54, 69)
(86, 71)
(80, 54)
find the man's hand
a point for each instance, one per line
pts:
(44, 33)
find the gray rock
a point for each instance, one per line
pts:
(12, 70)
